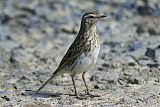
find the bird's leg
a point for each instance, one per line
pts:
(88, 93)
(85, 83)
(75, 90)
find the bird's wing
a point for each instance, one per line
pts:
(76, 48)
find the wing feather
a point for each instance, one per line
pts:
(76, 48)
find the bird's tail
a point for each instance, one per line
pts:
(46, 82)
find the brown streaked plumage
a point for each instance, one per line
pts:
(83, 52)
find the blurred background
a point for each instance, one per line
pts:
(35, 34)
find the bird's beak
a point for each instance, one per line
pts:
(108, 17)
(102, 16)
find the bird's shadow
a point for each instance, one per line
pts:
(40, 94)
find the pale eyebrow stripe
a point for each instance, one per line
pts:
(89, 15)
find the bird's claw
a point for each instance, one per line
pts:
(92, 95)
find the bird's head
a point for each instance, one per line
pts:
(91, 18)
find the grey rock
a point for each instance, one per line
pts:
(136, 80)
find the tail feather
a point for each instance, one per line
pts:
(46, 82)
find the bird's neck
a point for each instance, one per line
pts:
(88, 29)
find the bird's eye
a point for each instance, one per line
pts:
(91, 17)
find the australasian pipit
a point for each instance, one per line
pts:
(83, 52)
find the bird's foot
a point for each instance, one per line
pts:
(92, 95)
(78, 97)
(84, 97)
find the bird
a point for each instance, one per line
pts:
(82, 53)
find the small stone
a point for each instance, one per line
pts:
(150, 53)
(96, 86)
(152, 31)
(6, 98)
(136, 80)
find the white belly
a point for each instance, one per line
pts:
(85, 62)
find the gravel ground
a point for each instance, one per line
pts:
(35, 34)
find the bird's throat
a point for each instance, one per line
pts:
(88, 29)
